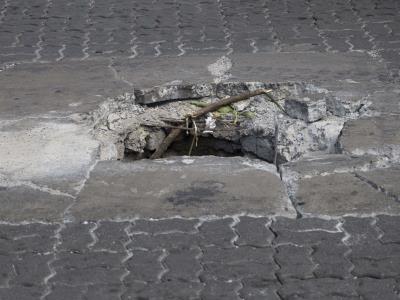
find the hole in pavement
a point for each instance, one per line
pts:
(205, 146)
(132, 126)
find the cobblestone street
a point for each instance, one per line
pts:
(77, 226)
(235, 257)
(55, 30)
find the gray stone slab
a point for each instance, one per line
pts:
(385, 179)
(353, 72)
(22, 203)
(53, 154)
(376, 135)
(153, 71)
(184, 186)
(57, 88)
(329, 68)
(327, 164)
(386, 100)
(340, 194)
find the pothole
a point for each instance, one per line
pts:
(132, 126)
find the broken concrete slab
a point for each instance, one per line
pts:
(184, 186)
(376, 136)
(53, 153)
(321, 165)
(342, 194)
(385, 180)
(330, 185)
(28, 203)
(173, 92)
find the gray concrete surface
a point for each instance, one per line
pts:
(188, 187)
(65, 235)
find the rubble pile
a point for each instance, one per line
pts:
(303, 120)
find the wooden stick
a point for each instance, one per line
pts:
(230, 100)
(174, 133)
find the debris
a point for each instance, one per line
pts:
(203, 111)
(285, 122)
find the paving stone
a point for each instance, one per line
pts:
(220, 290)
(7, 271)
(163, 290)
(237, 263)
(376, 268)
(304, 225)
(89, 268)
(76, 237)
(307, 238)
(30, 270)
(253, 232)
(331, 260)
(111, 236)
(318, 289)
(182, 265)
(164, 226)
(218, 233)
(21, 293)
(259, 289)
(65, 292)
(369, 288)
(390, 226)
(143, 266)
(205, 190)
(360, 230)
(166, 241)
(32, 238)
(104, 291)
(294, 262)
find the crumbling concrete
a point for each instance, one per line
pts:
(257, 126)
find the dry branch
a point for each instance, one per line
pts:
(174, 133)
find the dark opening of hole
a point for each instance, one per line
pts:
(205, 146)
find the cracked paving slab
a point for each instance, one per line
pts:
(338, 184)
(183, 186)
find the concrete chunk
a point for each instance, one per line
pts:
(310, 108)
(173, 92)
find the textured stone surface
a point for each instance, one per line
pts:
(339, 194)
(377, 136)
(385, 180)
(63, 88)
(309, 109)
(22, 203)
(309, 258)
(58, 58)
(182, 186)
